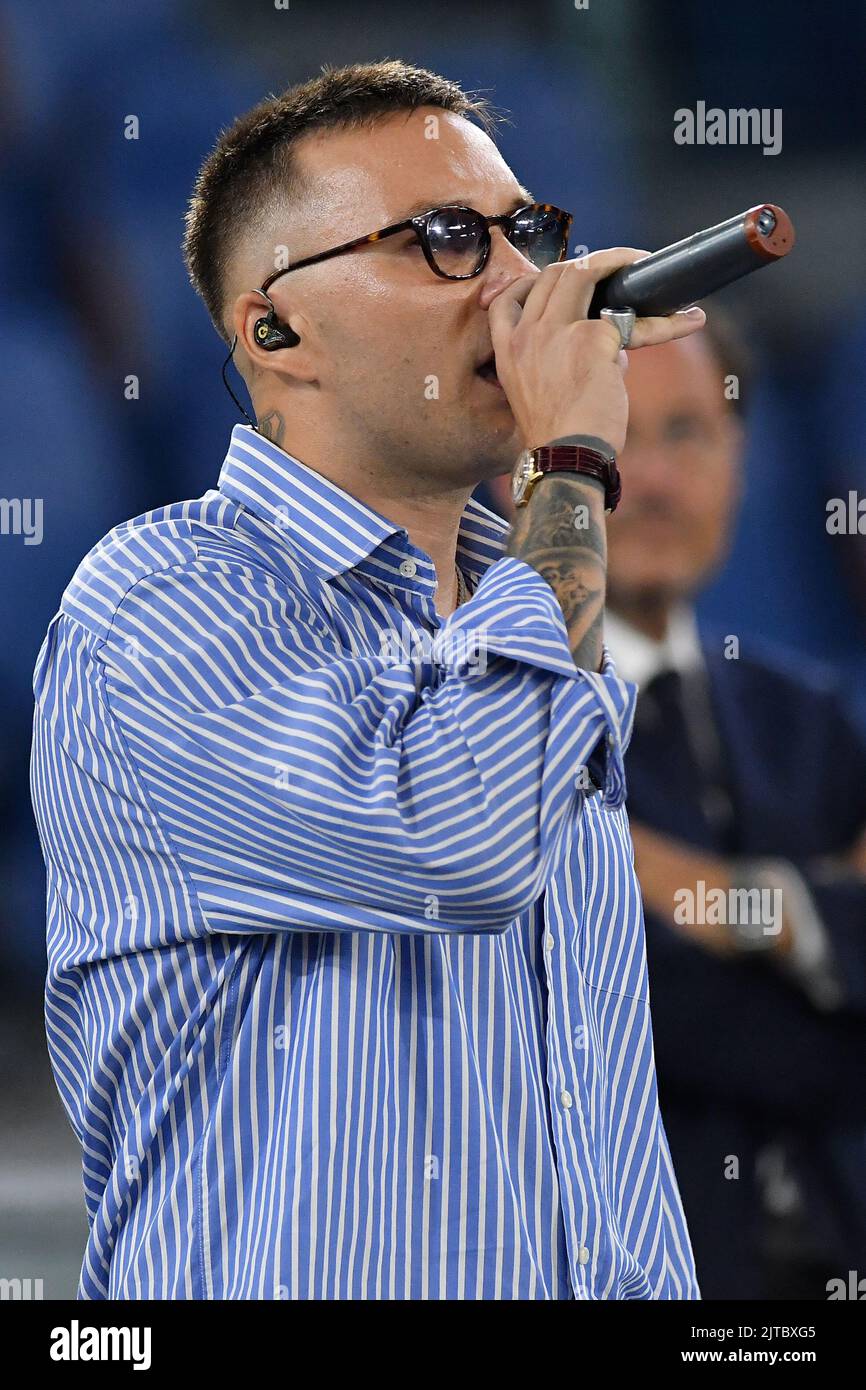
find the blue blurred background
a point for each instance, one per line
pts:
(94, 291)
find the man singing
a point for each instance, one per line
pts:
(347, 991)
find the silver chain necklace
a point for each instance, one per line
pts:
(461, 586)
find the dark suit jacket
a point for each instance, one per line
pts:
(743, 1056)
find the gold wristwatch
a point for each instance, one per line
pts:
(575, 453)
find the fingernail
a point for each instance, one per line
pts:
(693, 311)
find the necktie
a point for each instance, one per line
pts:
(675, 711)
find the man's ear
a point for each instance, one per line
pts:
(251, 315)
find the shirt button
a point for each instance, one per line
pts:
(582, 1255)
(548, 942)
(408, 568)
(565, 1098)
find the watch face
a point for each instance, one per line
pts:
(523, 471)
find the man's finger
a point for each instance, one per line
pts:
(650, 332)
(561, 292)
(569, 299)
(506, 310)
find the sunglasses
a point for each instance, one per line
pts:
(456, 240)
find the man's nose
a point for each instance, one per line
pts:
(650, 464)
(504, 264)
(654, 476)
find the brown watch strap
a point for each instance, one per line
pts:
(578, 458)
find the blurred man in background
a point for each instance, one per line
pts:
(744, 778)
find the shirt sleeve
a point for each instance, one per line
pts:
(315, 779)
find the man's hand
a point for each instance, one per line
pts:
(666, 866)
(563, 373)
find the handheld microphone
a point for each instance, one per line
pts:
(680, 275)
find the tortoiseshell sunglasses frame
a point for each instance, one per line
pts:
(420, 225)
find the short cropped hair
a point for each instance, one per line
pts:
(253, 161)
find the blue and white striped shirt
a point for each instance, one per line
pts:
(347, 991)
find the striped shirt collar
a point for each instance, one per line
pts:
(332, 530)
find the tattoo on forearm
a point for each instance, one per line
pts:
(561, 533)
(272, 426)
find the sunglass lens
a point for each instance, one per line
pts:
(541, 235)
(457, 240)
